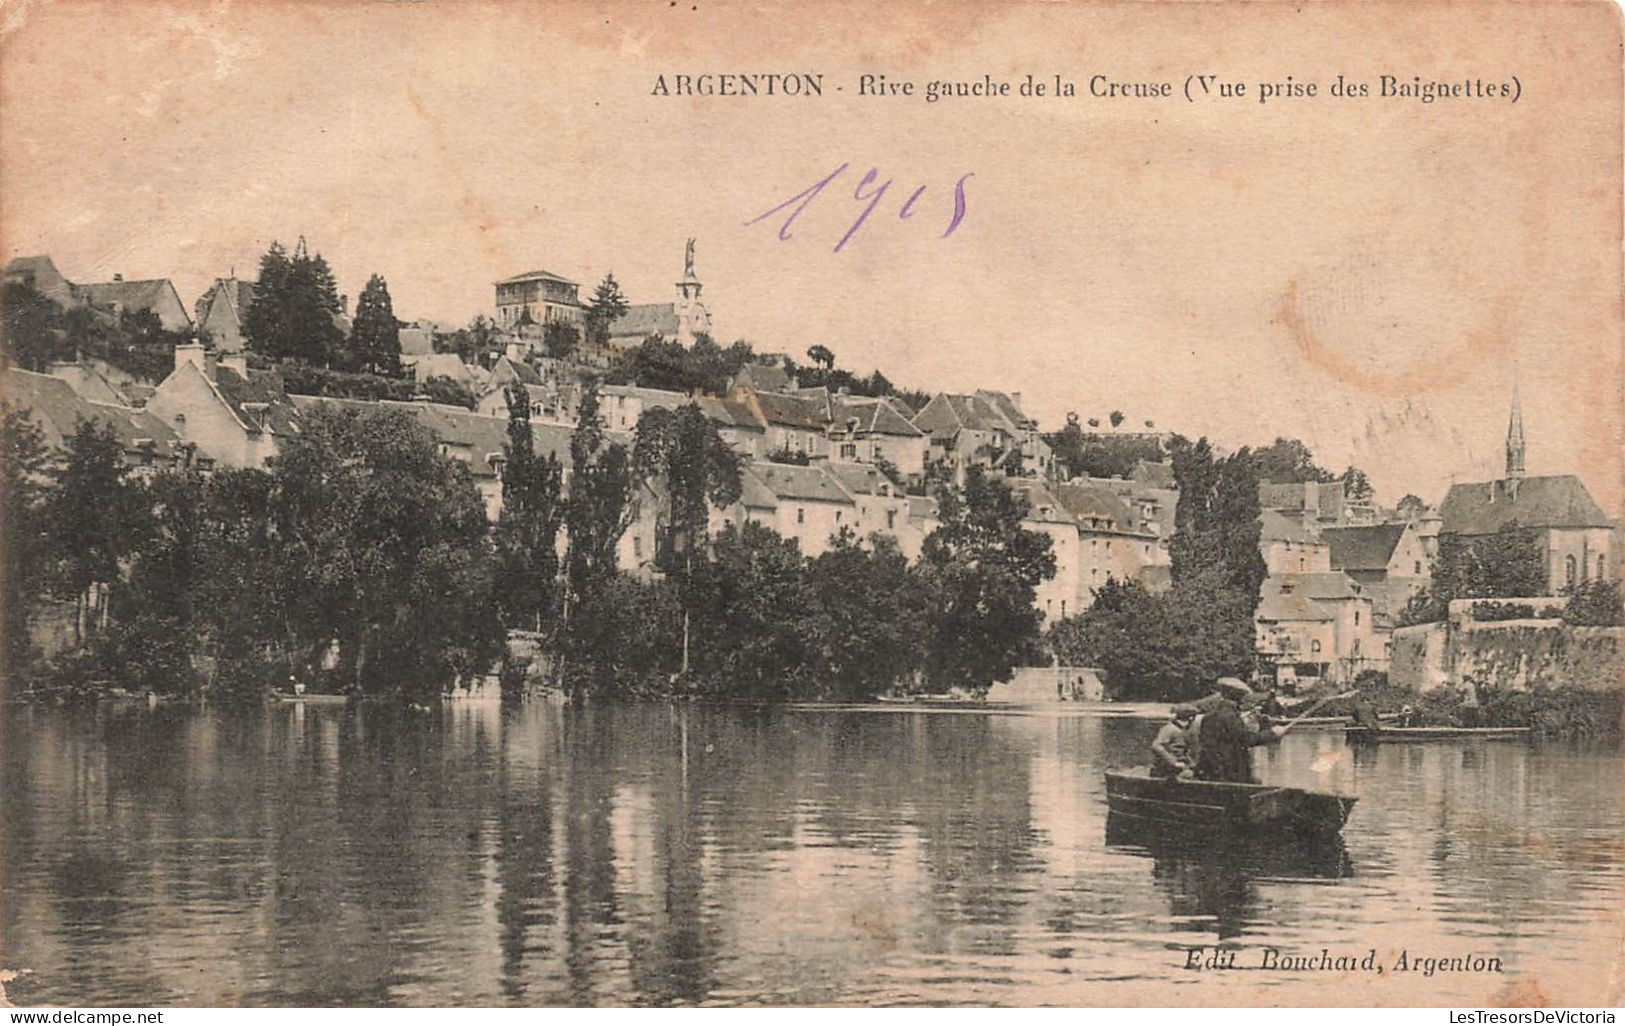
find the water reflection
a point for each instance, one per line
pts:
(1213, 878)
(684, 855)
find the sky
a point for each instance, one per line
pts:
(1370, 275)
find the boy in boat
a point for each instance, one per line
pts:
(1171, 751)
(1225, 741)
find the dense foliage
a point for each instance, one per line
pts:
(1093, 453)
(1171, 646)
(36, 332)
(358, 561)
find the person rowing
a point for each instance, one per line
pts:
(1224, 739)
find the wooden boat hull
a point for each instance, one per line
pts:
(309, 699)
(1363, 735)
(1250, 808)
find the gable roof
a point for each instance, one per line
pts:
(147, 294)
(1278, 608)
(442, 365)
(56, 409)
(1485, 507)
(788, 481)
(873, 416)
(793, 410)
(1156, 475)
(770, 377)
(729, 413)
(947, 414)
(863, 479)
(1094, 507)
(644, 319)
(259, 400)
(416, 340)
(1363, 548)
(1274, 526)
(519, 369)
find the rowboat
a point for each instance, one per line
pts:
(1364, 735)
(1334, 722)
(311, 698)
(1213, 805)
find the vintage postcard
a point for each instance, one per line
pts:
(974, 503)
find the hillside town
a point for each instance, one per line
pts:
(821, 453)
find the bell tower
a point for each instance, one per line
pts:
(1515, 440)
(692, 317)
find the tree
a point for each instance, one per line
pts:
(753, 602)
(1151, 647)
(1116, 419)
(1356, 486)
(375, 334)
(1506, 564)
(822, 357)
(599, 510)
(528, 527)
(1595, 603)
(295, 303)
(607, 306)
(31, 323)
(682, 449)
(1288, 461)
(1079, 452)
(1411, 507)
(90, 514)
(386, 549)
(981, 569)
(22, 526)
(560, 340)
(869, 621)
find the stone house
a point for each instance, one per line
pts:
(52, 405)
(1289, 546)
(867, 430)
(152, 295)
(985, 429)
(235, 416)
(1388, 560)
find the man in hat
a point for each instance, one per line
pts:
(1226, 741)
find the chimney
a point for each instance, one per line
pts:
(193, 353)
(1015, 398)
(118, 277)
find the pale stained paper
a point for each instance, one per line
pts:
(1370, 274)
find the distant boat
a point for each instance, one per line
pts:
(1364, 735)
(1334, 722)
(309, 699)
(1253, 808)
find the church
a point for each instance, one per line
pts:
(1577, 541)
(681, 321)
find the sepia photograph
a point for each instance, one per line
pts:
(975, 503)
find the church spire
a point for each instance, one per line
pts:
(1515, 439)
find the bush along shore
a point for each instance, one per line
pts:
(1566, 713)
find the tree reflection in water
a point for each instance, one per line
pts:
(1211, 876)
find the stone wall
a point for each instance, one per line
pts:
(1032, 684)
(1510, 654)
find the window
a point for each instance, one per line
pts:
(1063, 609)
(801, 515)
(838, 515)
(1570, 569)
(1356, 618)
(1314, 646)
(637, 547)
(891, 523)
(1417, 569)
(1602, 566)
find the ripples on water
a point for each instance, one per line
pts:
(659, 855)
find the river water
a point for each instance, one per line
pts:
(662, 854)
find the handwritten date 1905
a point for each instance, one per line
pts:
(867, 192)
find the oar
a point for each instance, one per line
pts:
(1311, 710)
